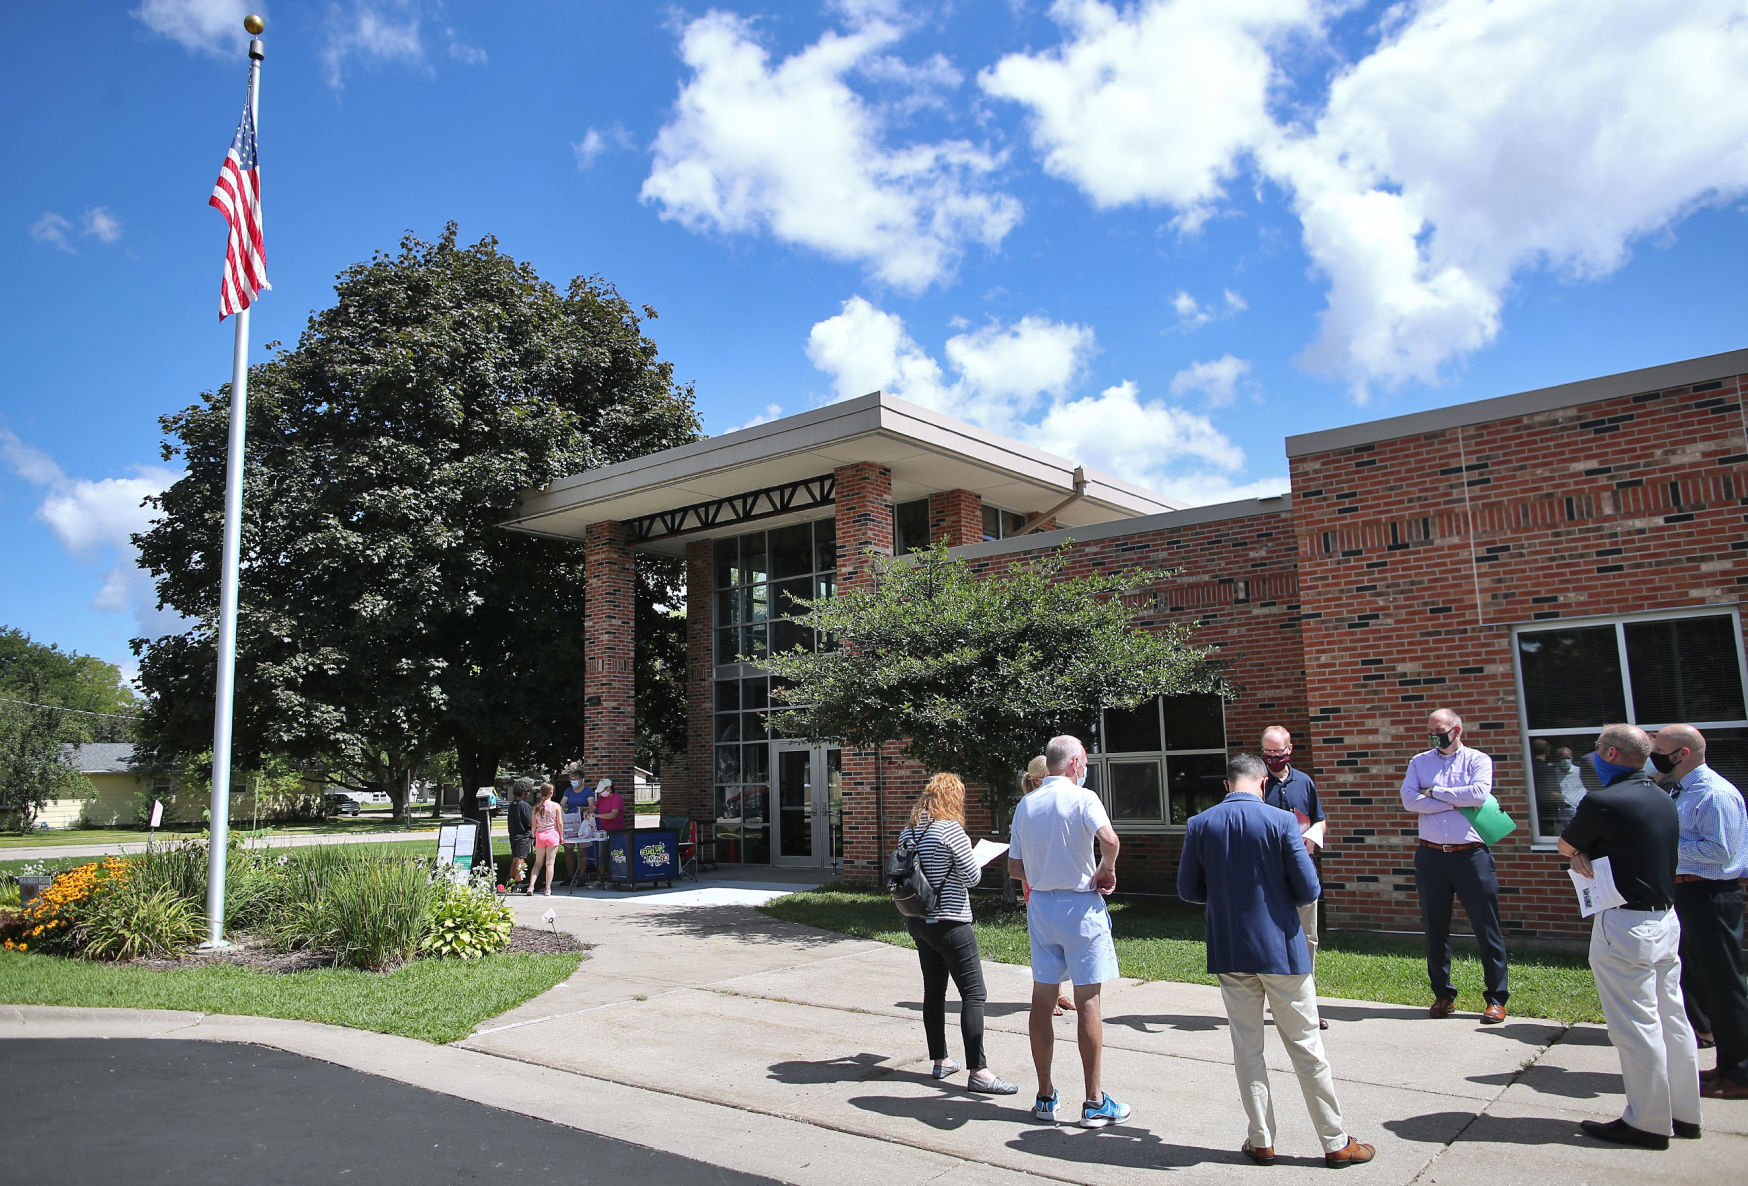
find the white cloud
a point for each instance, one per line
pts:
(94, 521)
(771, 412)
(1217, 379)
(102, 225)
(596, 141)
(51, 231)
(1193, 315)
(461, 51)
(1483, 141)
(374, 33)
(199, 26)
(791, 150)
(1156, 103)
(1018, 380)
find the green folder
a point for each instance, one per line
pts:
(1490, 821)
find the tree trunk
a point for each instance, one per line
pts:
(478, 763)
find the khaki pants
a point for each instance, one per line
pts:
(1293, 1001)
(1634, 956)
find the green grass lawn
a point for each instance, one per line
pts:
(433, 1000)
(1162, 940)
(358, 825)
(425, 848)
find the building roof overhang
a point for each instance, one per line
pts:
(925, 451)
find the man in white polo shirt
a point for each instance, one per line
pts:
(1052, 851)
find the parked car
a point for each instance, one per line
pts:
(339, 803)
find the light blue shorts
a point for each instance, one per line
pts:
(1071, 937)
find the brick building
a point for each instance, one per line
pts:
(1544, 563)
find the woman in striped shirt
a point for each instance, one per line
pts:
(945, 943)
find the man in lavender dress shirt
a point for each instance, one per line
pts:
(1452, 860)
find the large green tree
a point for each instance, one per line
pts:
(385, 613)
(974, 673)
(51, 701)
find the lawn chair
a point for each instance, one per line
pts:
(686, 842)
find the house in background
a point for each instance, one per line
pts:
(116, 790)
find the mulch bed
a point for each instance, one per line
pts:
(249, 952)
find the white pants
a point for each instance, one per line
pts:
(1634, 955)
(1293, 1001)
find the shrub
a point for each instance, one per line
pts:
(131, 921)
(467, 921)
(51, 920)
(179, 869)
(372, 914)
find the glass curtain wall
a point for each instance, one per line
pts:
(757, 577)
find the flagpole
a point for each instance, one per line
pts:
(220, 833)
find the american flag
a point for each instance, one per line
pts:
(237, 195)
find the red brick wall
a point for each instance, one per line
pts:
(608, 668)
(956, 516)
(1417, 555)
(864, 522)
(693, 794)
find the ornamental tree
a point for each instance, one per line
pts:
(385, 614)
(974, 673)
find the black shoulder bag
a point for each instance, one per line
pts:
(912, 892)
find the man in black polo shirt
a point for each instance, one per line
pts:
(1635, 947)
(1293, 791)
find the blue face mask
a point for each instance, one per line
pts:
(1608, 771)
(1080, 779)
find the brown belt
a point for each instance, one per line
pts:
(1686, 878)
(1451, 847)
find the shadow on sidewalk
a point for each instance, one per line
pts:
(1437, 1128)
(1154, 1023)
(854, 1068)
(1550, 1080)
(743, 923)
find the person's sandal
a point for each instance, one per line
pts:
(994, 1085)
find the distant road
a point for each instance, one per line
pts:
(288, 840)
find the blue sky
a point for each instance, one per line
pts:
(1152, 237)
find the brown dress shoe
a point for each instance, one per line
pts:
(1443, 1007)
(1493, 1015)
(1352, 1153)
(1262, 1156)
(1722, 1087)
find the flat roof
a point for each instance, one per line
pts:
(925, 451)
(1544, 399)
(1218, 512)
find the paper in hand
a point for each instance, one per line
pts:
(985, 851)
(1596, 893)
(1314, 832)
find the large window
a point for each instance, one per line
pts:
(1000, 524)
(1160, 762)
(1576, 677)
(757, 578)
(910, 526)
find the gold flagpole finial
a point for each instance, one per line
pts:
(254, 24)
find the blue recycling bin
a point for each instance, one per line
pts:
(643, 854)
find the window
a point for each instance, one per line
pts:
(910, 526)
(758, 577)
(1160, 762)
(1576, 677)
(1000, 524)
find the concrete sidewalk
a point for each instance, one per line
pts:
(708, 1030)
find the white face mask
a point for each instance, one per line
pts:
(1080, 779)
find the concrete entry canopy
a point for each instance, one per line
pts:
(795, 458)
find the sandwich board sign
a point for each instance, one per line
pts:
(455, 848)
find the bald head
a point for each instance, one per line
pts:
(1445, 727)
(1677, 750)
(1062, 752)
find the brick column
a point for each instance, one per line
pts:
(694, 797)
(956, 516)
(609, 679)
(864, 520)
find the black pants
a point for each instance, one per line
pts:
(1438, 876)
(949, 949)
(1711, 966)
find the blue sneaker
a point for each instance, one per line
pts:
(1044, 1108)
(1106, 1111)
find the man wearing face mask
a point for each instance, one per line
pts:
(1292, 791)
(1453, 860)
(1711, 860)
(1051, 850)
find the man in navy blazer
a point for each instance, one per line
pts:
(1246, 862)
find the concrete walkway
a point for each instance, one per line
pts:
(701, 1027)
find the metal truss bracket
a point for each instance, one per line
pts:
(803, 495)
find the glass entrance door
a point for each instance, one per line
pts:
(808, 801)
